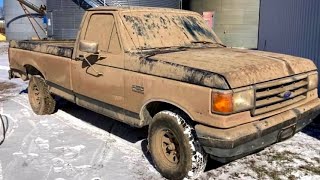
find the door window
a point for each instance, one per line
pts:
(102, 29)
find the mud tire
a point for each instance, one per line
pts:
(191, 157)
(40, 99)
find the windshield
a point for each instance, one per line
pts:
(166, 29)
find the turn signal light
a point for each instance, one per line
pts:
(222, 103)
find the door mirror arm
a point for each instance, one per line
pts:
(98, 73)
(90, 48)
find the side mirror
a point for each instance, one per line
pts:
(88, 46)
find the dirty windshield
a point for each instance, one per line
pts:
(166, 29)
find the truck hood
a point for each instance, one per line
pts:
(224, 68)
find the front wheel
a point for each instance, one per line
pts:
(174, 147)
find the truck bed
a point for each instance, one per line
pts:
(58, 48)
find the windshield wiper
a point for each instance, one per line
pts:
(162, 50)
(165, 48)
(207, 42)
(201, 42)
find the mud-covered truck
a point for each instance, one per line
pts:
(167, 70)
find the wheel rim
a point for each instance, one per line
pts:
(35, 96)
(170, 146)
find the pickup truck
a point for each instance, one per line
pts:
(165, 69)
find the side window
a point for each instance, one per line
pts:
(102, 29)
(114, 45)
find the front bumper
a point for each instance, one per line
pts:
(228, 144)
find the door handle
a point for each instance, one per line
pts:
(80, 57)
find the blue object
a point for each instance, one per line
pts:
(287, 95)
(45, 20)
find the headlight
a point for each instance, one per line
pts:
(232, 101)
(313, 81)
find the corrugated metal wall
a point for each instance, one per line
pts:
(236, 21)
(291, 27)
(64, 18)
(65, 15)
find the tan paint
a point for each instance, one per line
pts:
(107, 87)
(58, 48)
(254, 127)
(240, 67)
(130, 78)
(53, 68)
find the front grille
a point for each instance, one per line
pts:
(277, 94)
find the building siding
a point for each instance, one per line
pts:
(291, 27)
(65, 17)
(236, 22)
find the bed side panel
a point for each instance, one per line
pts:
(54, 68)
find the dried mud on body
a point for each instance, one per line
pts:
(75, 143)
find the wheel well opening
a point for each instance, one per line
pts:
(31, 70)
(154, 107)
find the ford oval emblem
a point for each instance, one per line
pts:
(287, 95)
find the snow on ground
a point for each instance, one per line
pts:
(75, 143)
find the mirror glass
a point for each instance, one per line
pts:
(88, 46)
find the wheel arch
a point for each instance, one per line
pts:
(32, 70)
(152, 107)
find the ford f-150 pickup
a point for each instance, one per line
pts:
(167, 70)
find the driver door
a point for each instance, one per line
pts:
(101, 83)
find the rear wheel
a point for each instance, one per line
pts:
(174, 147)
(40, 98)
